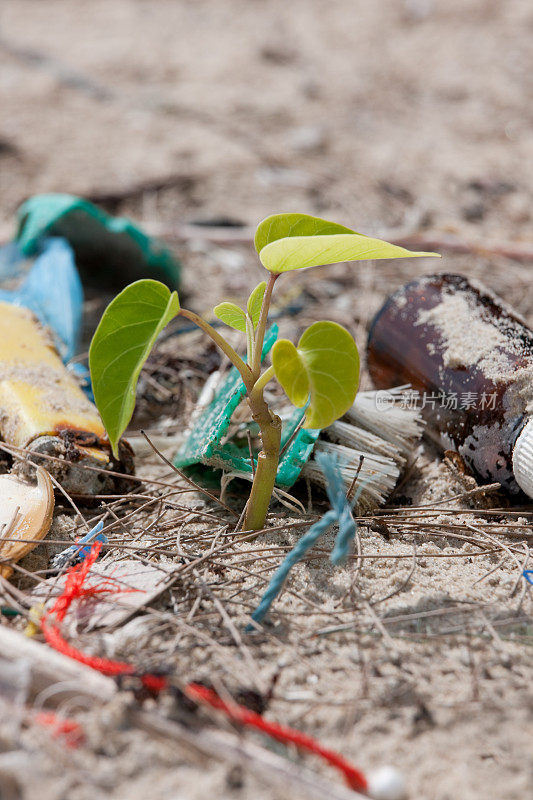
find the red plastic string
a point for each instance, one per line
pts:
(74, 585)
(243, 716)
(55, 639)
(74, 589)
(155, 683)
(67, 729)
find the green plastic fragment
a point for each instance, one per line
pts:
(109, 250)
(206, 441)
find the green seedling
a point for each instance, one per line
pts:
(321, 372)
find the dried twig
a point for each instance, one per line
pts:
(187, 479)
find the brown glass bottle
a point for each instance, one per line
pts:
(471, 360)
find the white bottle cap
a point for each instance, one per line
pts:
(523, 459)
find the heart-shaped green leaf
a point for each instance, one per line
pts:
(281, 226)
(121, 344)
(232, 315)
(300, 252)
(255, 301)
(325, 366)
(291, 372)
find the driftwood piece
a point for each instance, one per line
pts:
(521, 252)
(48, 668)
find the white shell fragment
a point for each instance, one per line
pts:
(26, 511)
(523, 459)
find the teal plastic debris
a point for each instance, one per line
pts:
(109, 251)
(52, 290)
(206, 441)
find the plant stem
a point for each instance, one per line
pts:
(244, 369)
(262, 381)
(269, 424)
(249, 340)
(261, 327)
(267, 463)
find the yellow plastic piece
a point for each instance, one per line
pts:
(34, 619)
(38, 396)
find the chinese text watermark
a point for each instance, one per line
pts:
(450, 401)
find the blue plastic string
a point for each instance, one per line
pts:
(340, 513)
(295, 555)
(77, 552)
(344, 538)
